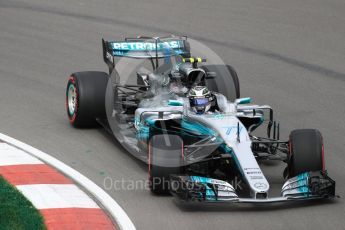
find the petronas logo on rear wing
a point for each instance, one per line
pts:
(144, 48)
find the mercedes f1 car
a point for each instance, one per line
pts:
(194, 156)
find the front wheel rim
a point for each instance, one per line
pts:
(71, 99)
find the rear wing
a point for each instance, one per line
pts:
(144, 48)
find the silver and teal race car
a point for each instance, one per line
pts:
(143, 101)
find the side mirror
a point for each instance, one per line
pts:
(244, 100)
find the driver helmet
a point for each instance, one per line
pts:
(200, 99)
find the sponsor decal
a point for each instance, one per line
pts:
(143, 46)
(231, 129)
(250, 168)
(219, 116)
(254, 172)
(109, 57)
(256, 178)
(260, 185)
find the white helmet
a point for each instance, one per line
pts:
(200, 99)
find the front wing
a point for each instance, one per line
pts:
(306, 186)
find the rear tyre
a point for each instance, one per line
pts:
(165, 158)
(225, 82)
(85, 98)
(306, 152)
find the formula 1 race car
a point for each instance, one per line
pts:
(186, 119)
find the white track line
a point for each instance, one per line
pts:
(44, 196)
(10, 155)
(121, 218)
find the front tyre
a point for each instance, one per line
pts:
(85, 98)
(165, 157)
(306, 152)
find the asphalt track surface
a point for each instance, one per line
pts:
(288, 54)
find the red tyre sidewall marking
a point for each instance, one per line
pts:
(71, 80)
(290, 155)
(149, 162)
(323, 158)
(182, 152)
(182, 155)
(290, 147)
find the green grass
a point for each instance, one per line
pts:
(16, 212)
